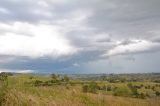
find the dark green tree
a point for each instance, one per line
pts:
(85, 88)
(66, 78)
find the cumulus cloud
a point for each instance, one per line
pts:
(136, 46)
(45, 40)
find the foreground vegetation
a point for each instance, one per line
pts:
(84, 90)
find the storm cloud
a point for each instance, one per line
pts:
(75, 36)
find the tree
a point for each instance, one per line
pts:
(122, 91)
(123, 79)
(66, 78)
(3, 76)
(109, 88)
(153, 88)
(104, 87)
(93, 87)
(54, 77)
(85, 88)
(38, 83)
(141, 95)
(134, 91)
(157, 93)
(130, 85)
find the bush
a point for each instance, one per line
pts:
(38, 83)
(141, 85)
(3, 76)
(112, 80)
(85, 88)
(3, 91)
(104, 87)
(123, 91)
(47, 83)
(67, 86)
(157, 93)
(93, 87)
(153, 88)
(133, 89)
(54, 77)
(149, 87)
(156, 81)
(138, 87)
(31, 77)
(123, 80)
(109, 88)
(66, 78)
(141, 95)
(130, 85)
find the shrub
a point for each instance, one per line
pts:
(66, 78)
(38, 83)
(129, 85)
(31, 77)
(3, 76)
(54, 77)
(122, 91)
(149, 87)
(141, 85)
(3, 87)
(147, 95)
(104, 87)
(112, 80)
(85, 88)
(93, 87)
(134, 91)
(157, 81)
(138, 87)
(141, 95)
(47, 83)
(67, 86)
(157, 93)
(72, 84)
(3, 91)
(123, 79)
(153, 88)
(109, 88)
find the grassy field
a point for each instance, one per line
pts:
(32, 90)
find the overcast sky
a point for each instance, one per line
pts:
(76, 36)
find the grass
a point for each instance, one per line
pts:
(22, 92)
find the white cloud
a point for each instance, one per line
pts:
(45, 13)
(43, 3)
(75, 20)
(3, 10)
(134, 47)
(76, 65)
(25, 71)
(43, 40)
(17, 71)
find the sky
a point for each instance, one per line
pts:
(77, 37)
